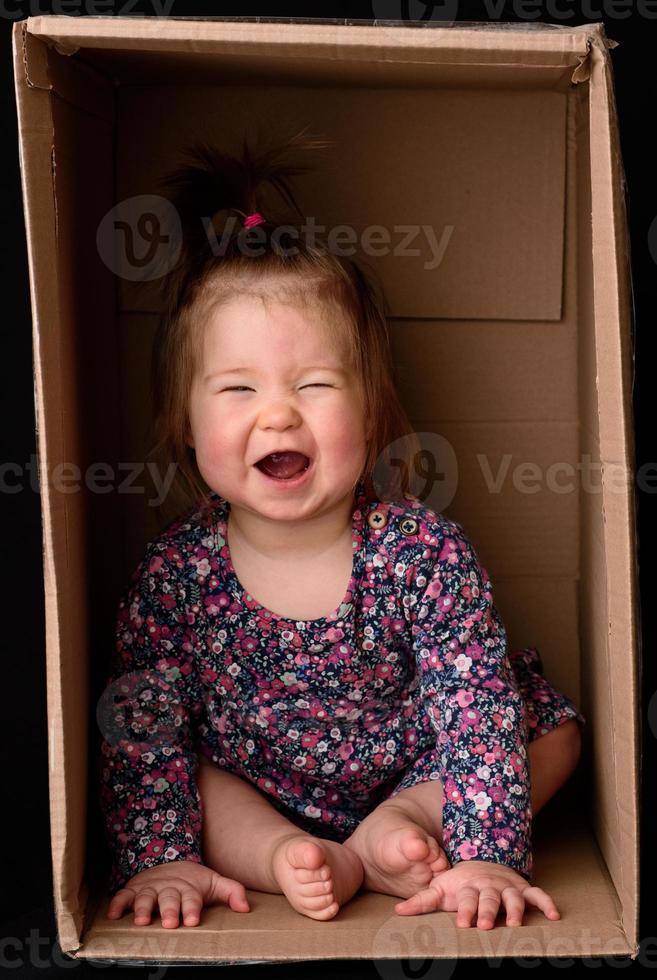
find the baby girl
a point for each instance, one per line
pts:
(314, 689)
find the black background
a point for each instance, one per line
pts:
(27, 934)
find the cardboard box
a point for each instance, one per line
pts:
(506, 135)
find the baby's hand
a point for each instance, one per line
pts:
(469, 885)
(173, 885)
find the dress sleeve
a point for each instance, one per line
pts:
(146, 713)
(471, 697)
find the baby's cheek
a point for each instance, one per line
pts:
(218, 433)
(347, 431)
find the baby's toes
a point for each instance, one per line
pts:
(318, 906)
(441, 863)
(437, 860)
(315, 903)
(306, 876)
(322, 913)
(306, 855)
(315, 889)
(316, 899)
(434, 849)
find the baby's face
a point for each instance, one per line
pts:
(269, 381)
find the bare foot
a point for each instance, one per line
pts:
(316, 876)
(399, 857)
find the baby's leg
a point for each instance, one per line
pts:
(553, 758)
(246, 838)
(395, 842)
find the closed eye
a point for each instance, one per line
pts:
(315, 384)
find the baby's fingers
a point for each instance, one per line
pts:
(539, 898)
(144, 901)
(191, 907)
(426, 900)
(229, 892)
(489, 906)
(467, 901)
(170, 899)
(120, 902)
(515, 906)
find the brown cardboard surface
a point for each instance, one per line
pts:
(442, 179)
(614, 657)
(368, 927)
(73, 336)
(550, 368)
(543, 46)
(538, 361)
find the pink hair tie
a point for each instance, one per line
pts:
(253, 219)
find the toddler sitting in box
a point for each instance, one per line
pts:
(312, 691)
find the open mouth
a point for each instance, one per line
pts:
(284, 465)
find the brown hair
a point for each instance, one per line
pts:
(352, 306)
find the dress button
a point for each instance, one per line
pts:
(408, 526)
(377, 519)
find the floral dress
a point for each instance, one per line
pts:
(409, 679)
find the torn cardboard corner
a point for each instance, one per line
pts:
(583, 70)
(35, 59)
(510, 321)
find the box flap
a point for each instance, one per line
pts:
(60, 119)
(279, 50)
(544, 44)
(612, 310)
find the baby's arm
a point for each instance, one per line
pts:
(469, 690)
(148, 791)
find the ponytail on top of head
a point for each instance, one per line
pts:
(213, 193)
(215, 185)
